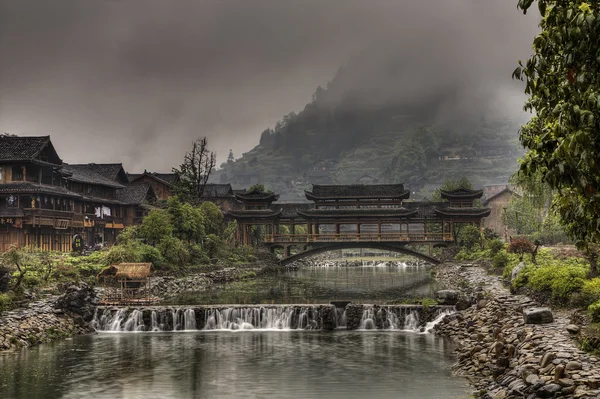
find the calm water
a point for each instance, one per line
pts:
(235, 365)
(371, 282)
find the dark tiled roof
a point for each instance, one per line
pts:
(86, 174)
(109, 170)
(466, 212)
(256, 197)
(254, 213)
(365, 191)
(135, 193)
(359, 212)
(499, 193)
(461, 193)
(22, 148)
(32, 188)
(166, 178)
(133, 176)
(217, 191)
(290, 210)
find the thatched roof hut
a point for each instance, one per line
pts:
(127, 271)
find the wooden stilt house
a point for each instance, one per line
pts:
(126, 283)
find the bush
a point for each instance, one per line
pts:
(122, 253)
(469, 236)
(495, 246)
(521, 246)
(148, 253)
(5, 301)
(174, 251)
(594, 310)
(590, 293)
(501, 260)
(213, 245)
(198, 255)
(562, 279)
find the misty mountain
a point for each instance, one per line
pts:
(385, 123)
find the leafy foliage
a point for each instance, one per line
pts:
(469, 237)
(521, 246)
(156, 226)
(562, 79)
(194, 172)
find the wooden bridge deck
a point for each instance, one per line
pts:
(358, 237)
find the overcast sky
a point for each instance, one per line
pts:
(137, 80)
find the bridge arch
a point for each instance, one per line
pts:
(326, 247)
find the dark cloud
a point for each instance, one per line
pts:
(138, 80)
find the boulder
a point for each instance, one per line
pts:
(573, 329)
(539, 315)
(516, 271)
(78, 299)
(462, 304)
(548, 391)
(447, 297)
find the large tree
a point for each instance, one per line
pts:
(194, 172)
(562, 79)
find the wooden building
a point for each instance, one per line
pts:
(126, 283)
(221, 195)
(45, 202)
(161, 183)
(496, 221)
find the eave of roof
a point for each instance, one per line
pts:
(400, 196)
(158, 179)
(254, 213)
(256, 197)
(359, 212)
(464, 212)
(461, 193)
(499, 193)
(32, 188)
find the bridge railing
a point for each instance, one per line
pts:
(353, 237)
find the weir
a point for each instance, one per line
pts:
(269, 317)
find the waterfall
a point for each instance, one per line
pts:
(367, 322)
(135, 322)
(340, 318)
(154, 320)
(411, 322)
(247, 318)
(189, 319)
(430, 325)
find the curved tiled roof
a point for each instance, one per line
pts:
(358, 191)
(86, 174)
(254, 213)
(360, 212)
(135, 193)
(466, 212)
(459, 193)
(217, 190)
(23, 148)
(27, 187)
(108, 170)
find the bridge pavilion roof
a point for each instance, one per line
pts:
(254, 214)
(256, 197)
(359, 213)
(463, 212)
(357, 191)
(461, 194)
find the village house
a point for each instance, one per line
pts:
(496, 221)
(44, 202)
(221, 195)
(161, 183)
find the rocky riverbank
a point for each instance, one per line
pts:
(48, 319)
(505, 357)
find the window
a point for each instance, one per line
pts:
(18, 173)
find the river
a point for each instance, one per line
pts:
(369, 281)
(246, 364)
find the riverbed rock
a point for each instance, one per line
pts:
(463, 303)
(447, 297)
(537, 315)
(79, 299)
(548, 391)
(573, 329)
(573, 365)
(515, 272)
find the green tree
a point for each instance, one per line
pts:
(156, 226)
(187, 220)
(213, 219)
(409, 162)
(562, 79)
(194, 172)
(449, 185)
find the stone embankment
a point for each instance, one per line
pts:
(166, 287)
(48, 319)
(506, 358)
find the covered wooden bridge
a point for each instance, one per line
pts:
(355, 216)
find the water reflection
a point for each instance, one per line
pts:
(234, 365)
(319, 284)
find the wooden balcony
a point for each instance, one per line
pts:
(358, 237)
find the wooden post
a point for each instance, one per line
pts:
(357, 231)
(379, 230)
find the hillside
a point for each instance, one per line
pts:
(371, 130)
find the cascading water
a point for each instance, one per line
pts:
(411, 321)
(367, 322)
(340, 318)
(430, 325)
